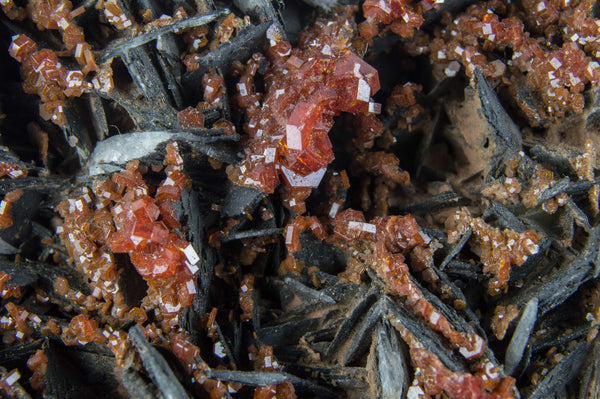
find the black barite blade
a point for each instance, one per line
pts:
(156, 366)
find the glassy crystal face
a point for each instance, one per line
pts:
(120, 216)
(306, 88)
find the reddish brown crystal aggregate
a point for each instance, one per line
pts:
(8, 384)
(6, 207)
(392, 269)
(121, 217)
(12, 170)
(306, 87)
(299, 225)
(7, 290)
(387, 237)
(557, 75)
(42, 72)
(82, 330)
(114, 14)
(265, 360)
(189, 356)
(500, 249)
(37, 363)
(246, 299)
(402, 16)
(435, 378)
(584, 165)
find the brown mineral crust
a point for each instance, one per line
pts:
(6, 207)
(191, 118)
(503, 316)
(499, 249)
(437, 378)
(305, 88)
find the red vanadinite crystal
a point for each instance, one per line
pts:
(21, 46)
(6, 207)
(213, 86)
(297, 226)
(121, 217)
(306, 88)
(402, 16)
(11, 170)
(41, 71)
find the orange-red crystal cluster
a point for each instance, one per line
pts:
(114, 14)
(37, 363)
(432, 378)
(557, 75)
(12, 170)
(6, 207)
(306, 87)
(7, 290)
(500, 249)
(390, 237)
(265, 360)
(120, 216)
(42, 72)
(400, 16)
(188, 355)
